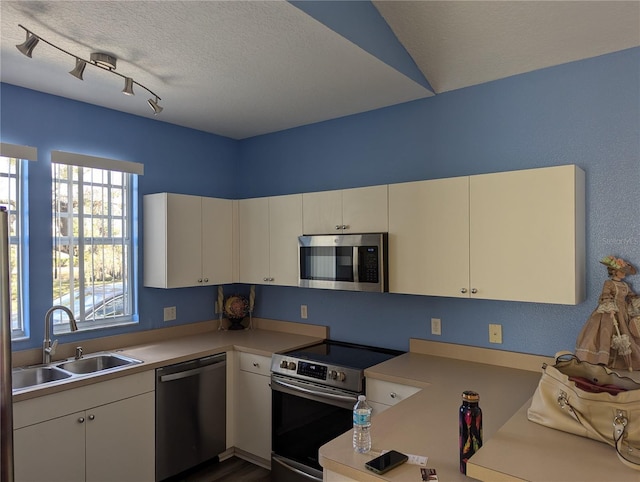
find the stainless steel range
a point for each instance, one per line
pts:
(313, 393)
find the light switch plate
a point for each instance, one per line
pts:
(436, 326)
(303, 312)
(495, 333)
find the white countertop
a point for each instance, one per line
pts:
(427, 424)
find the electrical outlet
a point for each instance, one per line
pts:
(436, 326)
(303, 312)
(495, 333)
(170, 313)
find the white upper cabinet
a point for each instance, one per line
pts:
(358, 210)
(429, 237)
(527, 231)
(517, 236)
(268, 239)
(187, 240)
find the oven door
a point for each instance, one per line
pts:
(305, 416)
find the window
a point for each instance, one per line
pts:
(93, 241)
(11, 197)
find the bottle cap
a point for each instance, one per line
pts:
(470, 396)
(361, 397)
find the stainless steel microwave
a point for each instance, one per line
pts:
(354, 262)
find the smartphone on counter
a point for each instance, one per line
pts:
(386, 462)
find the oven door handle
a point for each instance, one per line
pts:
(332, 396)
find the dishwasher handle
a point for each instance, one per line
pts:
(192, 372)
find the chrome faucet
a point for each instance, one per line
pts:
(49, 348)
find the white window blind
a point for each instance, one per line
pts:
(18, 152)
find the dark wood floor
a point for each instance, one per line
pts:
(232, 469)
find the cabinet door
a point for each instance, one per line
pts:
(285, 225)
(429, 237)
(322, 212)
(217, 241)
(120, 440)
(184, 234)
(254, 414)
(527, 235)
(253, 240)
(365, 209)
(51, 450)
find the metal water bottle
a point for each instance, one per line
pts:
(470, 422)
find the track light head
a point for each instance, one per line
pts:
(128, 86)
(79, 68)
(29, 44)
(154, 105)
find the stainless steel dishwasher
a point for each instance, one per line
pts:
(191, 410)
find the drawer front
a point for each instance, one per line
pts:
(255, 363)
(388, 393)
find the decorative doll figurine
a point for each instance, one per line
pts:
(611, 335)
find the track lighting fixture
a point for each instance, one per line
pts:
(101, 60)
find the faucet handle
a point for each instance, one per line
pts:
(52, 349)
(78, 352)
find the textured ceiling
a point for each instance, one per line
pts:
(245, 68)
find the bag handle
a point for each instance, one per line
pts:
(619, 427)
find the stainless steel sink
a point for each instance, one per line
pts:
(32, 376)
(96, 363)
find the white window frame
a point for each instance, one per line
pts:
(94, 287)
(17, 227)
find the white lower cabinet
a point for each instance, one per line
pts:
(112, 438)
(382, 395)
(253, 406)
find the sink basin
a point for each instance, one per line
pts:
(96, 363)
(29, 377)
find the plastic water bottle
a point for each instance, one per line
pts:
(361, 426)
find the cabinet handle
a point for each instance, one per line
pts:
(81, 420)
(463, 290)
(473, 290)
(92, 417)
(393, 395)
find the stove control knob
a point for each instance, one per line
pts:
(291, 366)
(341, 376)
(284, 364)
(333, 375)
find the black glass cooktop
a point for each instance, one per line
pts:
(344, 354)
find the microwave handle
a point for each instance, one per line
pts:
(356, 264)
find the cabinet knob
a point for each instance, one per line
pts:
(81, 420)
(393, 395)
(199, 280)
(463, 290)
(265, 279)
(256, 364)
(206, 280)
(345, 226)
(338, 227)
(473, 290)
(92, 417)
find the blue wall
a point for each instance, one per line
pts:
(585, 113)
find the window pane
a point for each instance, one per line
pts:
(10, 196)
(91, 253)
